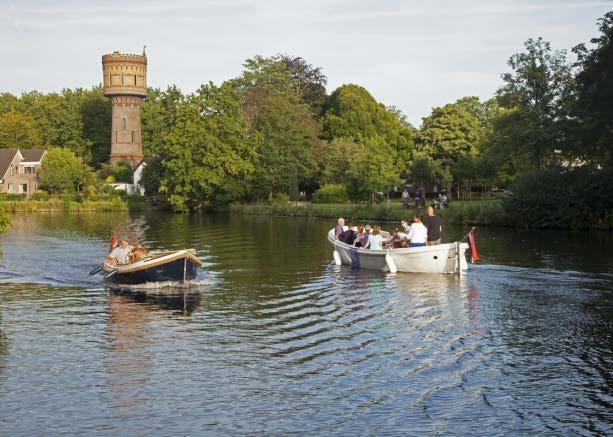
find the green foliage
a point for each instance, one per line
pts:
(209, 153)
(421, 170)
(123, 172)
(331, 193)
(158, 114)
(451, 132)
(152, 176)
(309, 80)
(63, 172)
(585, 200)
(96, 112)
(352, 113)
(16, 131)
(482, 213)
(286, 160)
(335, 160)
(372, 168)
(5, 223)
(534, 94)
(276, 94)
(593, 112)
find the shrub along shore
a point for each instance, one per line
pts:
(63, 203)
(474, 213)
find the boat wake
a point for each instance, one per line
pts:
(163, 288)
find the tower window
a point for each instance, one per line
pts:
(123, 123)
(132, 136)
(115, 136)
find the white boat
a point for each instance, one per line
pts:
(441, 258)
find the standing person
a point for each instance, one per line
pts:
(418, 233)
(339, 229)
(405, 199)
(349, 235)
(434, 224)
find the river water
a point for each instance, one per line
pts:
(281, 341)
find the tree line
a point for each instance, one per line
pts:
(274, 133)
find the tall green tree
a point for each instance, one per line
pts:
(58, 118)
(310, 81)
(16, 131)
(351, 112)
(274, 109)
(450, 132)
(209, 153)
(372, 168)
(593, 111)
(96, 112)
(535, 93)
(63, 172)
(158, 114)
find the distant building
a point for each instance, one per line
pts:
(19, 170)
(125, 82)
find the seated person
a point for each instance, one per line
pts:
(375, 240)
(349, 235)
(396, 239)
(121, 254)
(359, 237)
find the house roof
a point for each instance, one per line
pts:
(32, 155)
(6, 157)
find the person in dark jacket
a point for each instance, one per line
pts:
(349, 235)
(434, 224)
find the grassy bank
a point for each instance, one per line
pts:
(62, 204)
(459, 212)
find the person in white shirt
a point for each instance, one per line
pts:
(418, 233)
(121, 253)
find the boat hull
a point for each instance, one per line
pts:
(178, 266)
(441, 258)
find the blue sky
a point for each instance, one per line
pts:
(410, 54)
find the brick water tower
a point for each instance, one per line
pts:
(125, 82)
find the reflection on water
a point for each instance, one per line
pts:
(282, 341)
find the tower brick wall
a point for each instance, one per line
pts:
(125, 82)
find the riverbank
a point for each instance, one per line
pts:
(459, 212)
(59, 204)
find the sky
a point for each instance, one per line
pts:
(414, 55)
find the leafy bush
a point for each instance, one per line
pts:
(331, 193)
(40, 195)
(578, 198)
(280, 198)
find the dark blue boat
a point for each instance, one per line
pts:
(179, 266)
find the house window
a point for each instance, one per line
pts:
(132, 136)
(24, 187)
(10, 189)
(123, 123)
